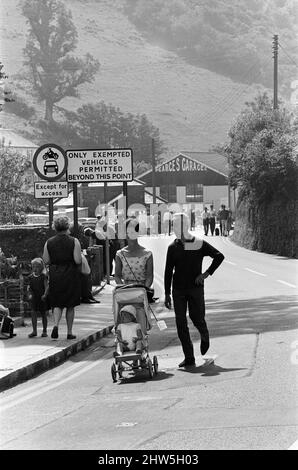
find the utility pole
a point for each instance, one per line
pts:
(275, 70)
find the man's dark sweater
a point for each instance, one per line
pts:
(187, 263)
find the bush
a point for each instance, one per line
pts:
(19, 107)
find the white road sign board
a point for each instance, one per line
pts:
(109, 165)
(45, 190)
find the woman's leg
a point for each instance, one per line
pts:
(34, 324)
(57, 312)
(69, 322)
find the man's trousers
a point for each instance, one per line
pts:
(193, 299)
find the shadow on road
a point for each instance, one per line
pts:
(210, 370)
(143, 376)
(236, 317)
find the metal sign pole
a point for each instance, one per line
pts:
(75, 209)
(107, 243)
(51, 212)
(125, 196)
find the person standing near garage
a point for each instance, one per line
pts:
(212, 219)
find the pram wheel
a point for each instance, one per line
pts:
(155, 364)
(114, 373)
(150, 368)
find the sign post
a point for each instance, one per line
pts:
(50, 164)
(51, 212)
(75, 209)
(107, 243)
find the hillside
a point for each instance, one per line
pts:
(192, 107)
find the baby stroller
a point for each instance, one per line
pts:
(130, 360)
(6, 324)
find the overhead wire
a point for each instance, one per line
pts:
(212, 119)
(229, 101)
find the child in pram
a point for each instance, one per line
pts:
(129, 336)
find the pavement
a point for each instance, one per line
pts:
(22, 358)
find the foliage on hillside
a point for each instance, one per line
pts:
(5, 95)
(230, 37)
(104, 126)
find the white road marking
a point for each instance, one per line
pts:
(230, 262)
(40, 390)
(286, 283)
(255, 272)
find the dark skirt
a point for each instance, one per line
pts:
(64, 285)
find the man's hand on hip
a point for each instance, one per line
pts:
(168, 301)
(200, 278)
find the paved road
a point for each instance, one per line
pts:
(246, 400)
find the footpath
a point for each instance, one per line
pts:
(22, 358)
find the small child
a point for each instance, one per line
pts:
(37, 294)
(129, 336)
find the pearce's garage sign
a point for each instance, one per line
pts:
(99, 165)
(44, 189)
(179, 164)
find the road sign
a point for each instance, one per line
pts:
(50, 162)
(109, 165)
(45, 190)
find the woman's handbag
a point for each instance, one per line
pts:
(84, 266)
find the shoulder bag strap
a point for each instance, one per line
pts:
(129, 266)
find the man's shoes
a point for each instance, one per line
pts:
(54, 334)
(44, 334)
(32, 335)
(187, 363)
(204, 346)
(71, 337)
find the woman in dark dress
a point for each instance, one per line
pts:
(63, 255)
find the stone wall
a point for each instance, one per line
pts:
(270, 228)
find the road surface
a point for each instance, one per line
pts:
(246, 400)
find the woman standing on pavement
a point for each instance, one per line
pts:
(63, 255)
(133, 263)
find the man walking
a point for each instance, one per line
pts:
(205, 217)
(212, 218)
(185, 257)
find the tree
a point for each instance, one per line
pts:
(13, 184)
(105, 126)
(261, 153)
(52, 39)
